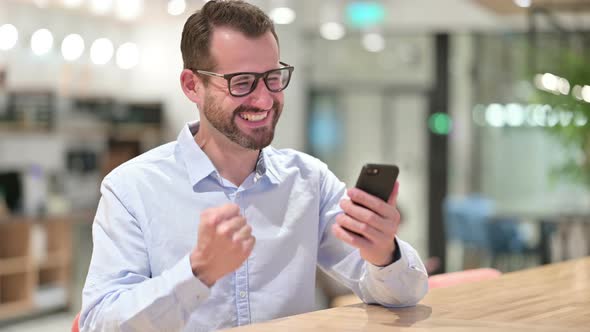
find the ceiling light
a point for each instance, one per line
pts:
(580, 120)
(282, 15)
(514, 115)
(176, 7)
(563, 86)
(101, 51)
(101, 7)
(577, 92)
(129, 10)
(523, 3)
(72, 47)
(363, 14)
(72, 3)
(549, 81)
(540, 115)
(586, 93)
(41, 42)
(332, 31)
(565, 118)
(8, 36)
(373, 42)
(495, 115)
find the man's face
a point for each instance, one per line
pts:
(248, 121)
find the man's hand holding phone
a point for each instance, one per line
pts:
(370, 224)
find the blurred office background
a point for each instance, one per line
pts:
(483, 104)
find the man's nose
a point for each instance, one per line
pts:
(261, 97)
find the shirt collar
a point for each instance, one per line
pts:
(196, 161)
(198, 164)
(269, 168)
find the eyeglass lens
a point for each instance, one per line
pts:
(275, 80)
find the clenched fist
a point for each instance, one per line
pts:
(225, 241)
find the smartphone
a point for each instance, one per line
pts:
(378, 179)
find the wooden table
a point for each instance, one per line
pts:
(553, 297)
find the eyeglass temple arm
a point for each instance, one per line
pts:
(204, 72)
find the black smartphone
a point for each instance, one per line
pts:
(377, 180)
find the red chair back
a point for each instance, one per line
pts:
(75, 324)
(462, 277)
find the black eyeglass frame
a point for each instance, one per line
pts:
(257, 77)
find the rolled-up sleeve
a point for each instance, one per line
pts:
(120, 294)
(402, 283)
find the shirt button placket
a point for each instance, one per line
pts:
(242, 299)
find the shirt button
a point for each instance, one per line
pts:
(242, 294)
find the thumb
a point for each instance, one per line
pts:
(393, 197)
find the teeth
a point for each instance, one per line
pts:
(254, 116)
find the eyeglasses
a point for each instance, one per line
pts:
(243, 83)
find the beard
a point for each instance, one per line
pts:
(226, 123)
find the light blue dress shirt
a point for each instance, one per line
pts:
(140, 278)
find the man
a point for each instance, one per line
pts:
(218, 229)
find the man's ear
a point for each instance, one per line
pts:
(191, 86)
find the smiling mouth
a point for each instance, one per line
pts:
(254, 117)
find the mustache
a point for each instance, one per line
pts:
(251, 109)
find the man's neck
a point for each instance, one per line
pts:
(232, 161)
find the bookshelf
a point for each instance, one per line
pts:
(35, 265)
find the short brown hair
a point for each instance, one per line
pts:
(236, 14)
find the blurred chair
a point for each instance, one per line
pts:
(470, 221)
(437, 281)
(465, 219)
